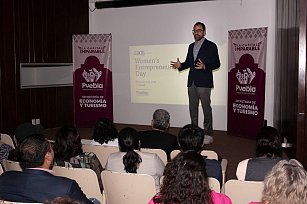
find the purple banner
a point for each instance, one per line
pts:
(93, 97)
(246, 81)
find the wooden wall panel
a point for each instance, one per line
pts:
(290, 76)
(301, 150)
(286, 69)
(37, 31)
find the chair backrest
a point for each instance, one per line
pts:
(161, 153)
(10, 202)
(174, 153)
(86, 178)
(214, 184)
(5, 138)
(1, 169)
(127, 188)
(102, 152)
(209, 153)
(243, 192)
(9, 165)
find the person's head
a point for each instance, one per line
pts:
(128, 141)
(25, 130)
(104, 131)
(35, 151)
(160, 119)
(185, 180)
(268, 142)
(191, 137)
(199, 31)
(285, 184)
(67, 143)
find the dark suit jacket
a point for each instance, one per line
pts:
(208, 54)
(38, 186)
(156, 139)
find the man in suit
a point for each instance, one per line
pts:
(158, 138)
(202, 59)
(37, 183)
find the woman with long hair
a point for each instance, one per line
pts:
(186, 182)
(268, 153)
(68, 152)
(131, 160)
(104, 133)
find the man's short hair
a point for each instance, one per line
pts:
(201, 24)
(32, 151)
(191, 137)
(161, 119)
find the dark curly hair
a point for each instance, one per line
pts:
(128, 141)
(104, 131)
(268, 143)
(67, 143)
(185, 181)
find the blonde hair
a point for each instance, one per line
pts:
(286, 184)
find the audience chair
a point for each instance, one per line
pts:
(10, 202)
(5, 138)
(214, 184)
(161, 153)
(102, 152)
(174, 153)
(209, 153)
(1, 169)
(9, 165)
(243, 192)
(86, 178)
(127, 188)
(224, 164)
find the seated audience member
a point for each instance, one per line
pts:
(131, 160)
(105, 133)
(36, 183)
(158, 137)
(191, 137)
(186, 181)
(4, 151)
(286, 183)
(23, 131)
(268, 153)
(68, 152)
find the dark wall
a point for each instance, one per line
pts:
(37, 31)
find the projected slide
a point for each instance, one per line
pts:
(152, 78)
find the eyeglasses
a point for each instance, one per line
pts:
(197, 31)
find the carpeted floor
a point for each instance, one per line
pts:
(232, 148)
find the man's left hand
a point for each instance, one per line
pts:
(200, 65)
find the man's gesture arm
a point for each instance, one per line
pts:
(176, 65)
